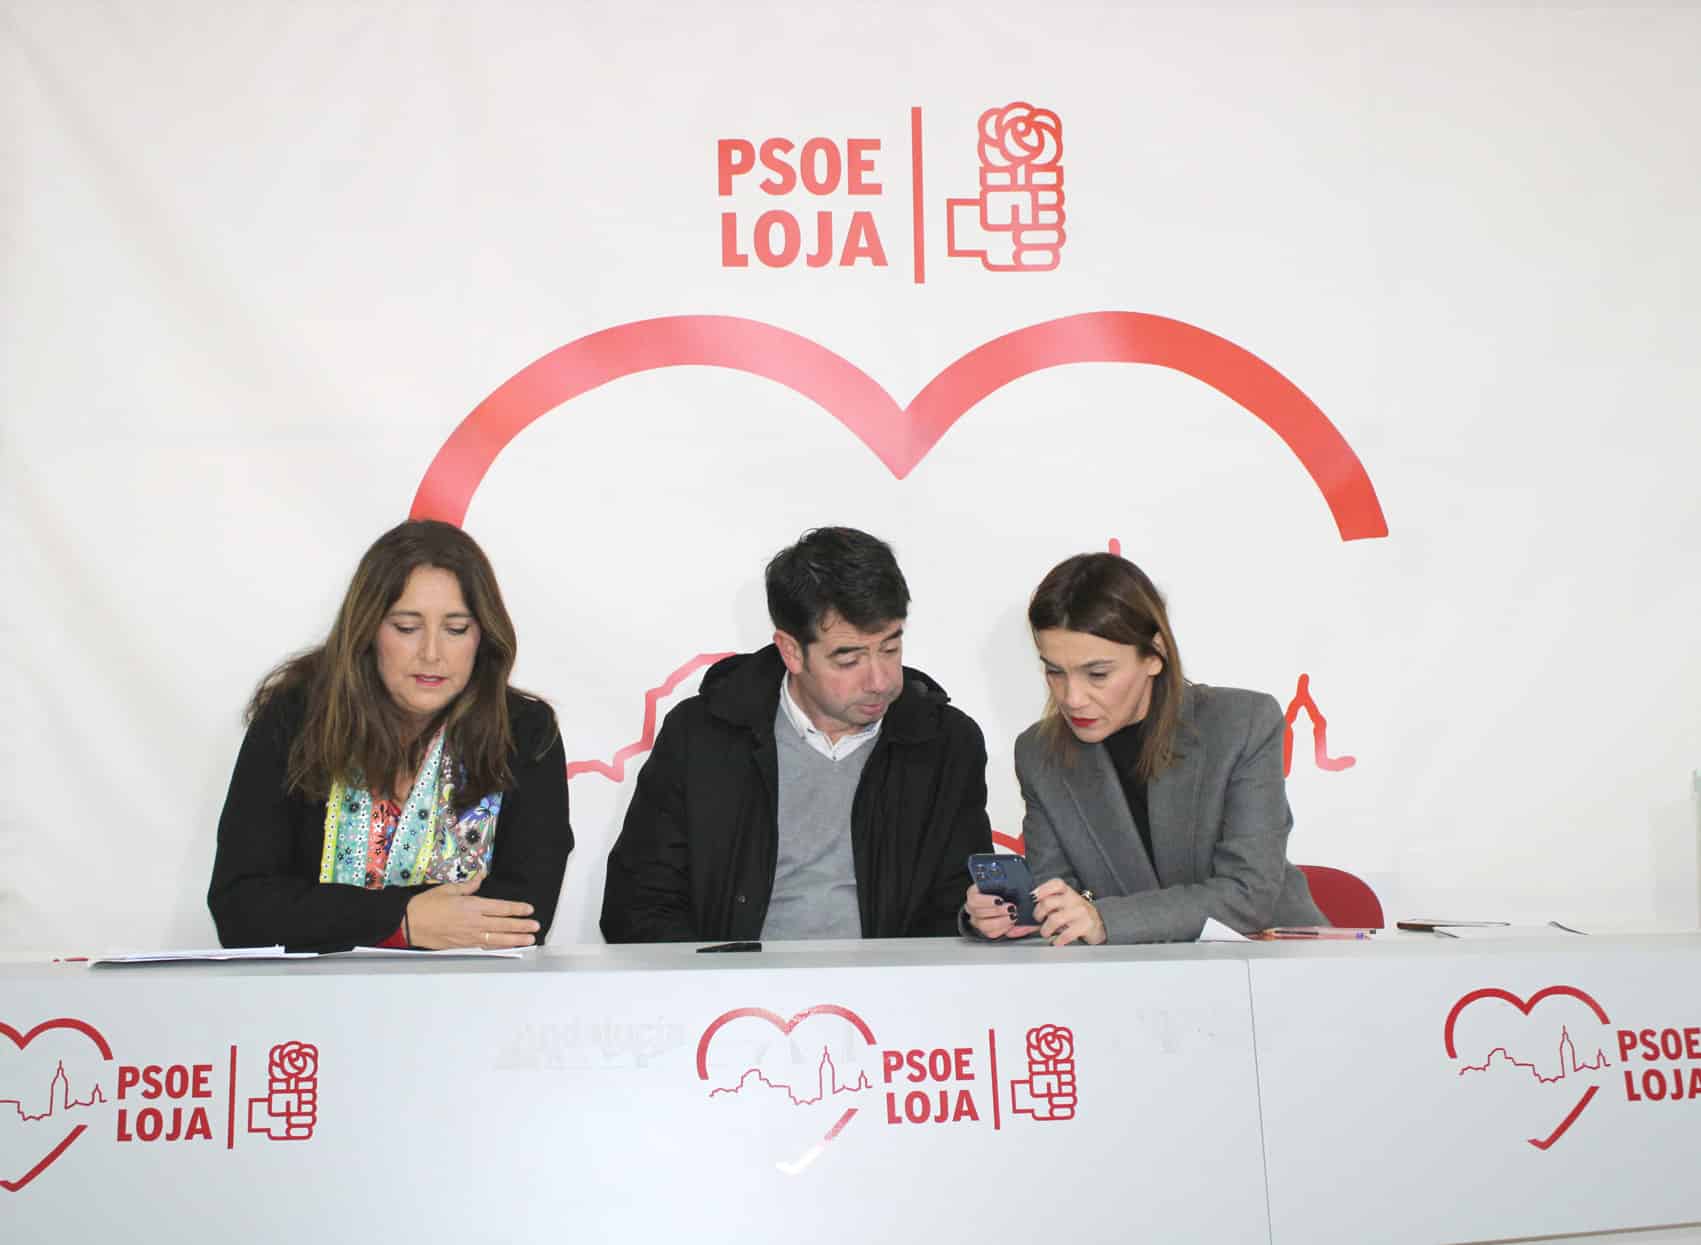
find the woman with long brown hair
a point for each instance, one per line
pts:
(393, 789)
(1152, 803)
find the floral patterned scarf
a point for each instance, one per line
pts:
(376, 843)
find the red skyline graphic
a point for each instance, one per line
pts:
(1319, 732)
(21, 1040)
(1526, 1006)
(1567, 1061)
(58, 1098)
(800, 1164)
(826, 1083)
(615, 770)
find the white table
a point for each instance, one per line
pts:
(858, 1092)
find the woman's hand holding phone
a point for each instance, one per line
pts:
(993, 917)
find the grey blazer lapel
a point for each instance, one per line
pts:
(1097, 793)
(1171, 798)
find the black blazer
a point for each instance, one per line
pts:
(265, 887)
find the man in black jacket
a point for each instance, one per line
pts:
(817, 788)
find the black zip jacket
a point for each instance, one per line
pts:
(695, 858)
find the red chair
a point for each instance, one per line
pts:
(1344, 898)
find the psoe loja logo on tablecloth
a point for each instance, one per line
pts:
(1553, 1047)
(825, 1063)
(60, 1080)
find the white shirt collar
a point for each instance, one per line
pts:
(835, 750)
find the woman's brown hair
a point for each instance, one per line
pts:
(1103, 595)
(353, 731)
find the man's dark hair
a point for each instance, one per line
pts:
(836, 570)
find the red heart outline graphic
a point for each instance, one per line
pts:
(23, 1040)
(785, 1027)
(900, 436)
(1507, 996)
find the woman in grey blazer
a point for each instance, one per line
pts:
(1152, 803)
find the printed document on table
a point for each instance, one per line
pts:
(451, 953)
(214, 953)
(1493, 933)
(1216, 931)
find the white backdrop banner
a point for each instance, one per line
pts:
(1366, 333)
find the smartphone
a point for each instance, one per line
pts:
(1008, 878)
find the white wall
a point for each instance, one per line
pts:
(261, 260)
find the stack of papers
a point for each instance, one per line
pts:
(1472, 930)
(453, 953)
(1483, 930)
(215, 953)
(278, 953)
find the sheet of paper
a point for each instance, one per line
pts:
(1643, 926)
(278, 953)
(1216, 931)
(1431, 923)
(214, 953)
(452, 953)
(1482, 933)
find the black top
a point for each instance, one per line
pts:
(695, 858)
(1124, 749)
(265, 887)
